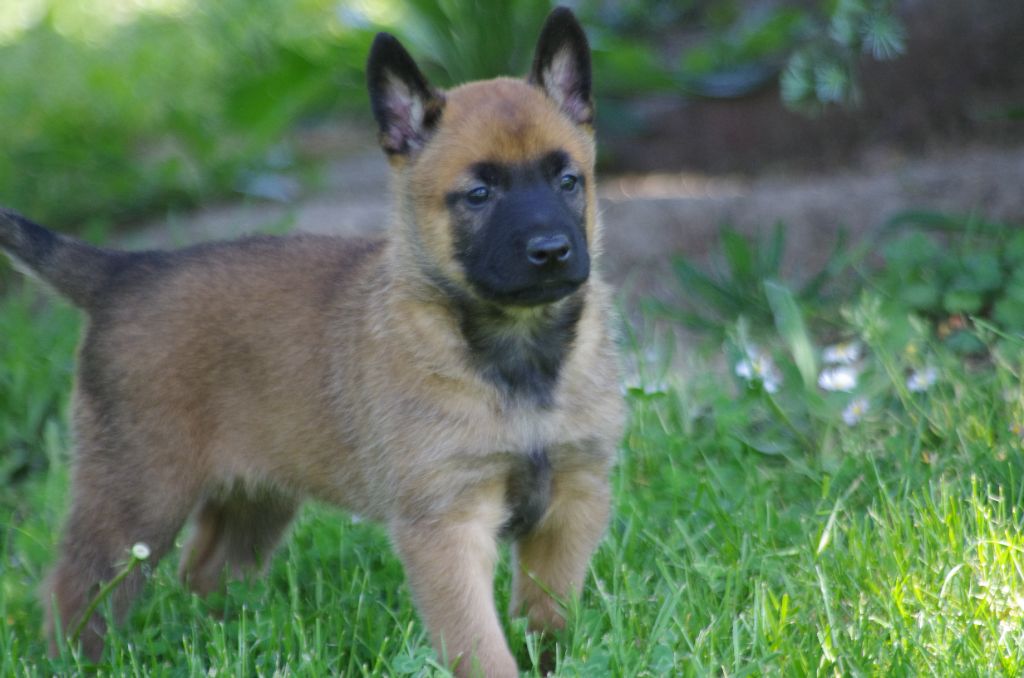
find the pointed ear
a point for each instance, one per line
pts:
(561, 65)
(404, 104)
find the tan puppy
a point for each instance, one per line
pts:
(456, 381)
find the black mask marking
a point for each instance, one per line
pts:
(522, 241)
(522, 357)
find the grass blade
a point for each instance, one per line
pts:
(714, 295)
(790, 324)
(740, 256)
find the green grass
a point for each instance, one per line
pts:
(159, 105)
(36, 343)
(891, 547)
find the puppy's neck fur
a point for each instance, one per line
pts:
(520, 351)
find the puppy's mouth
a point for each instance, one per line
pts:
(538, 294)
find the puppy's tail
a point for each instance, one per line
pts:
(74, 268)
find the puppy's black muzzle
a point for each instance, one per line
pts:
(531, 251)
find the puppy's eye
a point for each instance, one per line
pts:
(568, 182)
(478, 196)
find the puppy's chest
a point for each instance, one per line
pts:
(532, 456)
(527, 493)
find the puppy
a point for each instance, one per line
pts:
(455, 380)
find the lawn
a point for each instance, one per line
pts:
(766, 520)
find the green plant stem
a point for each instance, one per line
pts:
(909, 402)
(100, 595)
(804, 441)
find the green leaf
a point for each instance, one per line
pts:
(770, 255)
(713, 294)
(687, 318)
(1009, 313)
(962, 301)
(797, 81)
(911, 250)
(267, 102)
(884, 36)
(964, 342)
(790, 324)
(1015, 288)
(982, 272)
(920, 296)
(739, 255)
(630, 67)
(831, 82)
(1013, 250)
(948, 223)
(772, 447)
(843, 25)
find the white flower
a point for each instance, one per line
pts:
(759, 366)
(140, 551)
(842, 378)
(921, 380)
(657, 388)
(745, 369)
(855, 411)
(635, 384)
(845, 353)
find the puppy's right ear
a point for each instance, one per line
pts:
(404, 104)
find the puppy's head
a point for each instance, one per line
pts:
(496, 177)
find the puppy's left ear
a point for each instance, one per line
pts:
(561, 65)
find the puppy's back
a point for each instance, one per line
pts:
(224, 346)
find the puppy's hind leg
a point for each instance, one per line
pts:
(115, 504)
(238, 533)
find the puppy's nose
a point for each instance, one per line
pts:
(548, 250)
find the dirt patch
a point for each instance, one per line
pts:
(652, 216)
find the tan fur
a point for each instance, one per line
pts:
(237, 380)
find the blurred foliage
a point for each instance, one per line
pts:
(38, 340)
(741, 283)
(741, 46)
(961, 276)
(823, 70)
(468, 40)
(108, 114)
(956, 271)
(112, 108)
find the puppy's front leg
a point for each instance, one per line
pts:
(449, 564)
(552, 560)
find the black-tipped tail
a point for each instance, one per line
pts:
(74, 268)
